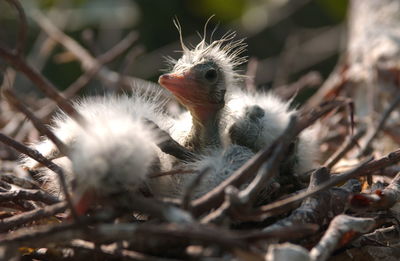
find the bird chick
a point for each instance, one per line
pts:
(257, 120)
(199, 80)
(112, 153)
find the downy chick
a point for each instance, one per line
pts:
(112, 153)
(199, 81)
(256, 120)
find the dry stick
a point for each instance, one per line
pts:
(381, 124)
(34, 154)
(283, 233)
(35, 195)
(22, 30)
(42, 83)
(103, 254)
(250, 193)
(104, 233)
(105, 58)
(216, 196)
(365, 168)
(339, 227)
(346, 147)
(286, 92)
(87, 60)
(20, 182)
(13, 100)
(18, 220)
(84, 79)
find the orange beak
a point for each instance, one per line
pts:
(184, 87)
(82, 202)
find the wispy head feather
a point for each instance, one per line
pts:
(225, 52)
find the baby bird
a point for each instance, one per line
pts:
(256, 120)
(199, 81)
(112, 153)
(227, 123)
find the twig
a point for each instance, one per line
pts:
(157, 209)
(22, 30)
(16, 59)
(338, 229)
(346, 147)
(365, 168)
(311, 79)
(18, 220)
(34, 154)
(20, 182)
(216, 196)
(266, 173)
(104, 233)
(13, 100)
(86, 59)
(105, 58)
(35, 195)
(385, 116)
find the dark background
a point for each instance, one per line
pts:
(288, 38)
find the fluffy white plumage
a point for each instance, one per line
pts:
(256, 120)
(115, 150)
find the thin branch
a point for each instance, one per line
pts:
(22, 30)
(216, 196)
(35, 195)
(346, 147)
(311, 79)
(365, 168)
(13, 100)
(20, 182)
(87, 60)
(385, 116)
(27, 217)
(340, 227)
(34, 154)
(42, 83)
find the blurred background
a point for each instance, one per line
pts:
(286, 39)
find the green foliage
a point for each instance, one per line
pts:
(225, 10)
(335, 8)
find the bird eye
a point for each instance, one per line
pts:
(211, 75)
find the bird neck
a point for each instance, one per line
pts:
(205, 131)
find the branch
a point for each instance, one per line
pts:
(86, 59)
(14, 102)
(346, 147)
(22, 30)
(27, 217)
(35, 195)
(34, 154)
(385, 116)
(365, 168)
(245, 173)
(341, 230)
